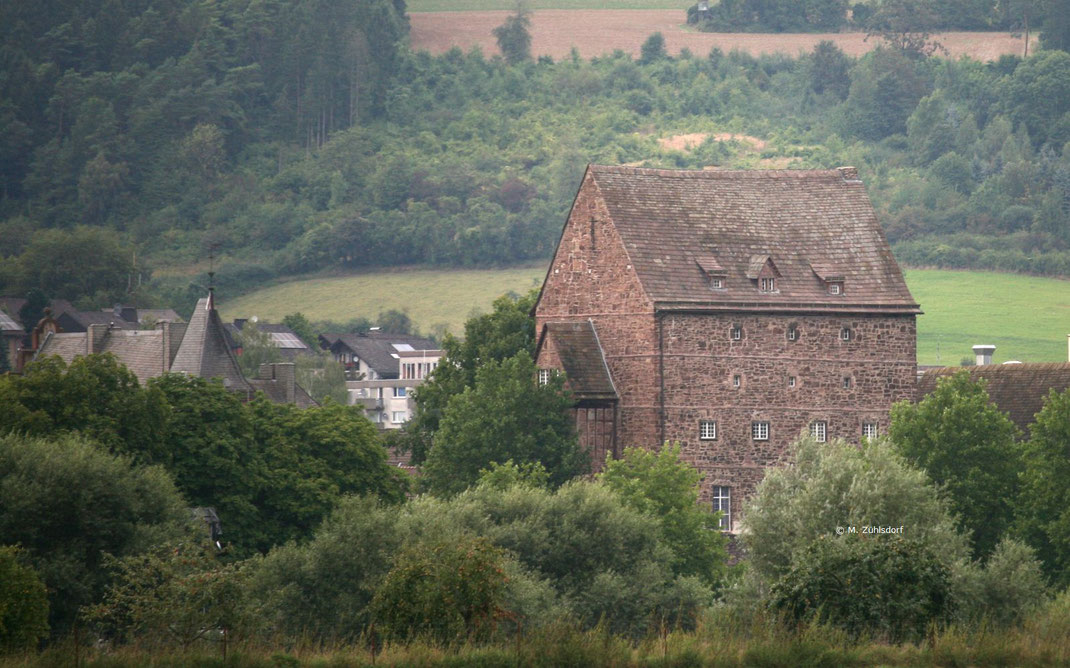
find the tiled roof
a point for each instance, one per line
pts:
(376, 349)
(1016, 389)
(204, 351)
(67, 346)
(581, 356)
(158, 315)
(669, 219)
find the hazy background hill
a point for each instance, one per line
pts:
(282, 138)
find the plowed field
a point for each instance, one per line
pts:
(595, 32)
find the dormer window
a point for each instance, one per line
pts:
(836, 287)
(768, 284)
(717, 282)
(713, 271)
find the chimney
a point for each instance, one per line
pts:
(983, 354)
(94, 338)
(286, 377)
(166, 352)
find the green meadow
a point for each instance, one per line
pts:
(431, 297)
(1027, 318)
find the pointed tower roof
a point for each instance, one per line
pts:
(204, 351)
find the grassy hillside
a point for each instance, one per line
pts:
(430, 297)
(1026, 317)
(510, 5)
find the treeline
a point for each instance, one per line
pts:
(916, 16)
(237, 129)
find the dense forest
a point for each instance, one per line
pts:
(289, 137)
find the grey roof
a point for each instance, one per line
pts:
(582, 357)
(672, 221)
(376, 349)
(8, 324)
(79, 321)
(142, 352)
(204, 351)
(274, 391)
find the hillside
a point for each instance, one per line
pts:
(1026, 317)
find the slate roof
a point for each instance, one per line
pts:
(277, 393)
(376, 349)
(1016, 389)
(204, 351)
(670, 221)
(140, 351)
(581, 356)
(79, 321)
(9, 324)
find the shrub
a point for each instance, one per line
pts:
(23, 604)
(888, 586)
(447, 591)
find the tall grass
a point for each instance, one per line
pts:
(722, 639)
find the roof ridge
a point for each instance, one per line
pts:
(716, 173)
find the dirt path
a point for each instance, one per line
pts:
(600, 31)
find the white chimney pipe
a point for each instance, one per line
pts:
(983, 354)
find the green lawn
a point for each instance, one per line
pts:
(430, 297)
(488, 5)
(1027, 318)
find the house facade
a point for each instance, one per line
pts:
(383, 369)
(728, 311)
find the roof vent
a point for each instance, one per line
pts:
(983, 354)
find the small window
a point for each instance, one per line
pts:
(818, 431)
(793, 333)
(768, 284)
(544, 376)
(399, 391)
(722, 502)
(737, 380)
(845, 334)
(846, 382)
(759, 431)
(707, 430)
(869, 430)
(717, 283)
(397, 417)
(737, 333)
(791, 381)
(835, 288)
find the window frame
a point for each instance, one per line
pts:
(737, 380)
(722, 502)
(707, 430)
(400, 392)
(736, 333)
(767, 284)
(846, 334)
(544, 376)
(791, 381)
(759, 430)
(866, 426)
(819, 431)
(793, 333)
(835, 288)
(404, 417)
(847, 382)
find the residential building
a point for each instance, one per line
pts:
(197, 348)
(727, 311)
(282, 337)
(383, 370)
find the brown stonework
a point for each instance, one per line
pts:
(637, 259)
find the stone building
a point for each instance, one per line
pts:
(728, 311)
